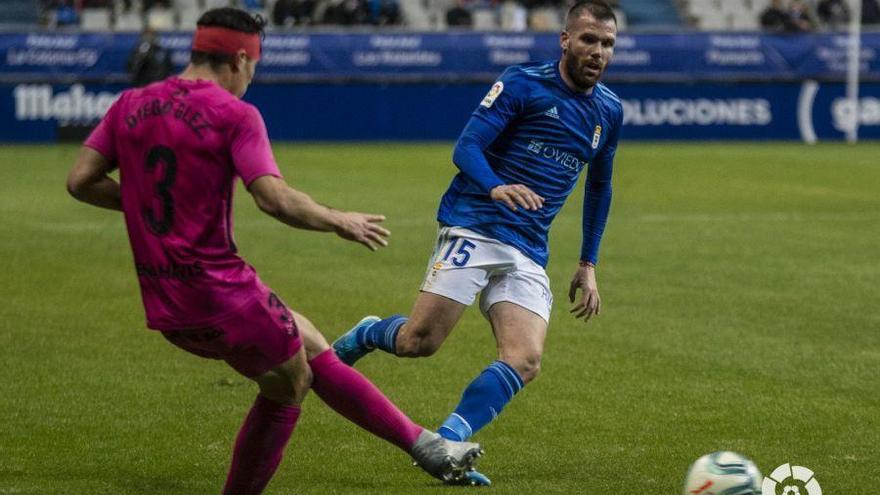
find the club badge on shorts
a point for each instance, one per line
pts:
(493, 93)
(597, 134)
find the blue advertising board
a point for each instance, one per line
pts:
(34, 112)
(408, 57)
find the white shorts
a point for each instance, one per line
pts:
(466, 263)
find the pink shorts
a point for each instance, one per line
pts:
(257, 338)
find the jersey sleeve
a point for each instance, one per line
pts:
(250, 148)
(504, 101)
(103, 137)
(597, 193)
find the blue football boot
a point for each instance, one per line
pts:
(352, 345)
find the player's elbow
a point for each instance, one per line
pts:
(76, 186)
(269, 193)
(269, 205)
(467, 146)
(458, 154)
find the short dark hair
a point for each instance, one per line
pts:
(600, 9)
(229, 18)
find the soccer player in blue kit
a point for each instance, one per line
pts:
(519, 158)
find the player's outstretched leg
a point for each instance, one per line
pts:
(350, 394)
(269, 424)
(520, 337)
(481, 402)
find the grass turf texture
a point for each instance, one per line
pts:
(740, 292)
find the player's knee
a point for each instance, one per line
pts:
(286, 388)
(528, 366)
(427, 347)
(302, 382)
(278, 390)
(417, 340)
(416, 347)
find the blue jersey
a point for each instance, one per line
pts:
(532, 129)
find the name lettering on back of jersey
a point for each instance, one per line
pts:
(597, 135)
(492, 95)
(179, 110)
(563, 158)
(553, 113)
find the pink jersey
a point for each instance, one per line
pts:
(179, 146)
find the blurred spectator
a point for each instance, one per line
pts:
(63, 12)
(536, 4)
(282, 13)
(801, 16)
(833, 13)
(149, 62)
(779, 18)
(344, 13)
(292, 12)
(459, 15)
(382, 12)
(775, 17)
(870, 12)
(151, 4)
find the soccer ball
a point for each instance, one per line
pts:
(723, 473)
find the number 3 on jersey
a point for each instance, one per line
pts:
(161, 224)
(463, 254)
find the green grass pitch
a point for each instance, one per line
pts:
(741, 310)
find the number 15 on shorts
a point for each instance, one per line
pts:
(462, 255)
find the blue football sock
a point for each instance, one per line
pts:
(482, 401)
(383, 333)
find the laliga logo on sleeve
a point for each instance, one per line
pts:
(597, 135)
(496, 90)
(791, 480)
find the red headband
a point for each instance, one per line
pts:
(214, 39)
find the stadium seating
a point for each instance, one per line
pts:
(189, 12)
(95, 19)
(20, 12)
(161, 19)
(485, 20)
(545, 19)
(422, 15)
(652, 13)
(417, 15)
(741, 15)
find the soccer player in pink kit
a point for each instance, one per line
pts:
(179, 145)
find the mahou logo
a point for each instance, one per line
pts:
(41, 102)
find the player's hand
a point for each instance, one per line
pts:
(517, 195)
(363, 228)
(589, 302)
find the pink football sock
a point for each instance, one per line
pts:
(350, 394)
(259, 446)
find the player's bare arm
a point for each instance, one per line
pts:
(297, 209)
(517, 195)
(88, 181)
(589, 303)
